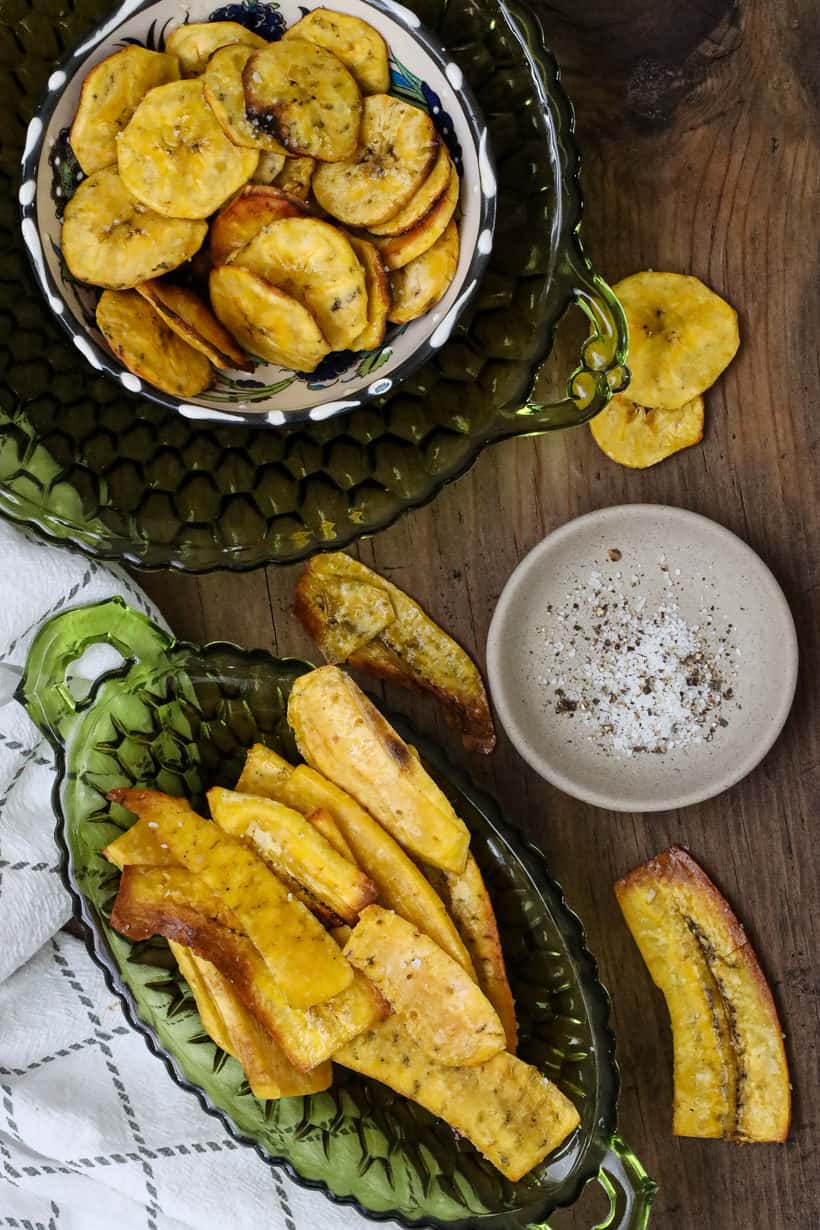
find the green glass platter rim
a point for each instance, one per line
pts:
(596, 999)
(569, 270)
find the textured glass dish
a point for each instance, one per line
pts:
(84, 462)
(179, 718)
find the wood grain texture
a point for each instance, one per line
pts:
(699, 126)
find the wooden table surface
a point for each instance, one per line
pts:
(699, 126)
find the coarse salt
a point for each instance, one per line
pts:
(644, 679)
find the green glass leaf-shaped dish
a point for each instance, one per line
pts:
(179, 718)
(84, 461)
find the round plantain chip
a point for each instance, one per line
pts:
(306, 97)
(397, 149)
(681, 337)
(246, 215)
(111, 239)
(420, 202)
(296, 177)
(399, 250)
(110, 95)
(638, 437)
(195, 43)
(141, 340)
(378, 295)
(225, 95)
(174, 156)
(315, 263)
(269, 166)
(267, 322)
(360, 48)
(419, 285)
(194, 322)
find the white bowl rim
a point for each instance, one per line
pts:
(622, 802)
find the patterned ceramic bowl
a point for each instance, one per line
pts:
(421, 73)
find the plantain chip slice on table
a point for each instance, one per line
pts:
(419, 285)
(195, 43)
(174, 156)
(296, 177)
(110, 95)
(422, 201)
(399, 250)
(315, 263)
(141, 340)
(639, 437)
(194, 322)
(397, 148)
(682, 336)
(225, 95)
(110, 239)
(378, 295)
(246, 215)
(266, 321)
(306, 97)
(360, 48)
(269, 166)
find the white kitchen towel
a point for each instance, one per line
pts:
(93, 1131)
(94, 1134)
(37, 581)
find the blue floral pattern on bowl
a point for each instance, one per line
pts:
(266, 20)
(271, 395)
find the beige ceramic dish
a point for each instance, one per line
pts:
(661, 552)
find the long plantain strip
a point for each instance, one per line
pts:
(141, 846)
(290, 845)
(330, 830)
(269, 1072)
(400, 884)
(307, 1036)
(177, 886)
(468, 904)
(307, 964)
(343, 736)
(440, 1004)
(212, 1020)
(510, 1112)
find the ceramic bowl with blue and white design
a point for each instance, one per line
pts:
(421, 73)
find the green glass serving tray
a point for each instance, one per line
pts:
(179, 718)
(85, 463)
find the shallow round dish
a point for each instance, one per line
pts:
(663, 555)
(421, 72)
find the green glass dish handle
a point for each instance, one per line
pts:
(45, 690)
(602, 369)
(628, 1186)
